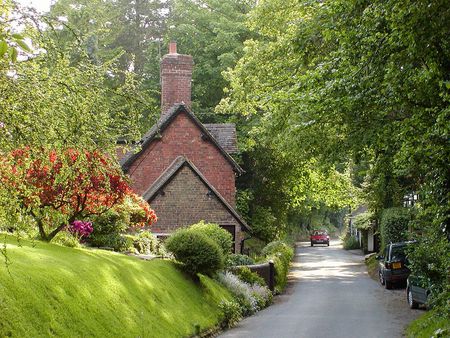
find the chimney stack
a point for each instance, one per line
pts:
(176, 78)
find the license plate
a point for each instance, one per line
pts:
(397, 265)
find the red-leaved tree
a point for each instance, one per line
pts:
(57, 187)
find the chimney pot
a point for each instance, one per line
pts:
(172, 47)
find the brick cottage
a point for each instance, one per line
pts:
(183, 168)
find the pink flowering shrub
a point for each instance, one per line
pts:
(81, 229)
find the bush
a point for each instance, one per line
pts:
(350, 243)
(66, 238)
(281, 254)
(247, 276)
(147, 243)
(262, 294)
(231, 313)
(107, 230)
(394, 225)
(198, 253)
(429, 259)
(243, 292)
(238, 259)
(219, 235)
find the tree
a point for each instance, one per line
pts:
(213, 32)
(58, 187)
(356, 82)
(342, 81)
(11, 42)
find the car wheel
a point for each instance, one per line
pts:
(387, 285)
(412, 304)
(381, 278)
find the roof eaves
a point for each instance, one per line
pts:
(134, 153)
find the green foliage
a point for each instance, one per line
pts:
(350, 243)
(265, 225)
(431, 324)
(213, 32)
(247, 276)
(365, 85)
(231, 313)
(101, 289)
(219, 235)
(108, 230)
(364, 221)
(65, 238)
(196, 251)
(238, 259)
(429, 260)
(394, 225)
(147, 243)
(281, 254)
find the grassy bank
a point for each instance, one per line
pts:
(430, 324)
(51, 290)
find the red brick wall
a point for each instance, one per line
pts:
(183, 137)
(185, 201)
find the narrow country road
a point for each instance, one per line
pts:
(330, 295)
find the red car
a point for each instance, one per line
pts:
(320, 237)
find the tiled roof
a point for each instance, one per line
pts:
(172, 170)
(163, 122)
(225, 135)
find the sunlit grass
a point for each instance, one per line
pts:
(50, 290)
(429, 325)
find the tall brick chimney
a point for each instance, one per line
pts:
(176, 77)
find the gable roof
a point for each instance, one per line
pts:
(163, 122)
(171, 172)
(225, 134)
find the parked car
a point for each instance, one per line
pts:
(320, 237)
(416, 292)
(392, 265)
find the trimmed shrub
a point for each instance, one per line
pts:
(238, 259)
(247, 276)
(394, 225)
(198, 253)
(219, 235)
(350, 243)
(281, 254)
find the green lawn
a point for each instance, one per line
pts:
(57, 291)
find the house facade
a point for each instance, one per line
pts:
(183, 167)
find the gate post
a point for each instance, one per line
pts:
(271, 276)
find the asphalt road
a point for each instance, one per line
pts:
(330, 294)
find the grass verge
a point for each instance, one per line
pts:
(50, 290)
(372, 267)
(430, 324)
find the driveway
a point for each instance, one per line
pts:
(330, 294)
